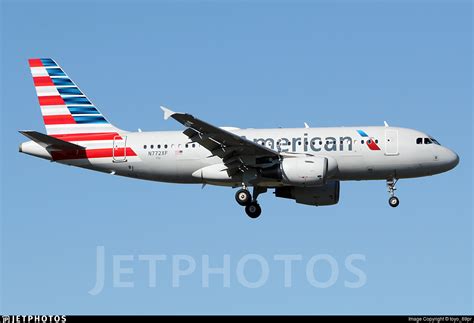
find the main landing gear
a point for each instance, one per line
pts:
(393, 201)
(244, 198)
(253, 210)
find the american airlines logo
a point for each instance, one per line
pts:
(316, 144)
(309, 144)
(370, 142)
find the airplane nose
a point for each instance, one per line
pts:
(452, 159)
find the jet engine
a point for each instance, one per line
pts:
(304, 171)
(327, 194)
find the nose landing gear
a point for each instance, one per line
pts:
(393, 201)
(243, 198)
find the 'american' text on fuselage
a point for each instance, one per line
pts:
(314, 144)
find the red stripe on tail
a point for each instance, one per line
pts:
(43, 81)
(35, 62)
(59, 119)
(51, 100)
(89, 136)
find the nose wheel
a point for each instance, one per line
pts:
(244, 198)
(393, 201)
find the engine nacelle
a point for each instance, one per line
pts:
(302, 171)
(327, 194)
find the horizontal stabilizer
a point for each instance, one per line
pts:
(49, 142)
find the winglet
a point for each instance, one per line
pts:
(385, 124)
(168, 112)
(306, 125)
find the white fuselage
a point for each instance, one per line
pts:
(305, 165)
(170, 156)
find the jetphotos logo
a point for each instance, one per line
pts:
(33, 319)
(251, 271)
(370, 142)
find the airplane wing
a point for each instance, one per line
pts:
(233, 149)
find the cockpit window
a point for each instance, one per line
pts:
(428, 141)
(435, 141)
(419, 141)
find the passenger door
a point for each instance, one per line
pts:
(391, 142)
(119, 149)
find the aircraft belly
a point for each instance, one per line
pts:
(186, 167)
(361, 168)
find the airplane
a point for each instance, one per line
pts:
(302, 164)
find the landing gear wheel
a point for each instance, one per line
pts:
(253, 210)
(393, 201)
(243, 197)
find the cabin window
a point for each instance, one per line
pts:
(419, 141)
(144, 146)
(186, 145)
(362, 141)
(194, 145)
(158, 146)
(376, 141)
(166, 146)
(369, 142)
(151, 146)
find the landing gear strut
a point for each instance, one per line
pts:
(393, 201)
(243, 197)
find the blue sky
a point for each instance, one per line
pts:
(244, 64)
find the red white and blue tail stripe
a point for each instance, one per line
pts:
(70, 116)
(66, 110)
